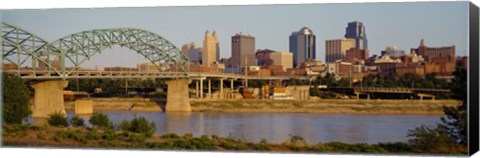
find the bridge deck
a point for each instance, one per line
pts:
(390, 90)
(50, 75)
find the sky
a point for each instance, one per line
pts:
(400, 24)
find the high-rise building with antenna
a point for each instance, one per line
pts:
(356, 30)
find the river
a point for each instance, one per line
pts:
(276, 127)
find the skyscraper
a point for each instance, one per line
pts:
(336, 49)
(210, 50)
(356, 30)
(243, 50)
(193, 52)
(302, 45)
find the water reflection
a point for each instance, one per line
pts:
(276, 127)
(38, 121)
(179, 122)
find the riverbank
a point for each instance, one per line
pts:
(326, 106)
(322, 106)
(123, 104)
(48, 136)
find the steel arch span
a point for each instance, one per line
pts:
(79, 47)
(20, 46)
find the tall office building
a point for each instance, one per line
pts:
(282, 58)
(193, 52)
(336, 49)
(356, 30)
(243, 50)
(210, 51)
(302, 45)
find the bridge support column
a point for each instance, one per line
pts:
(48, 98)
(231, 85)
(210, 88)
(368, 96)
(201, 88)
(196, 89)
(221, 89)
(177, 96)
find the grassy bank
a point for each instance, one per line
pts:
(327, 106)
(35, 136)
(123, 104)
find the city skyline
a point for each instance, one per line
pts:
(395, 26)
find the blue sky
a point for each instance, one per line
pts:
(400, 24)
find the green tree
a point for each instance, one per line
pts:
(76, 121)
(100, 120)
(58, 119)
(452, 132)
(15, 99)
(455, 120)
(428, 139)
(139, 125)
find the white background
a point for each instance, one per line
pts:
(83, 153)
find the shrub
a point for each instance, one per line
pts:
(241, 147)
(15, 99)
(125, 134)
(58, 138)
(337, 146)
(427, 139)
(296, 139)
(226, 145)
(170, 136)
(261, 147)
(125, 125)
(188, 136)
(136, 138)
(93, 134)
(74, 135)
(263, 141)
(36, 128)
(100, 120)
(76, 121)
(396, 147)
(202, 143)
(139, 125)
(109, 134)
(41, 136)
(58, 119)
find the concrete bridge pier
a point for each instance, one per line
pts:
(201, 88)
(423, 95)
(48, 98)
(360, 93)
(177, 95)
(197, 94)
(221, 89)
(210, 88)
